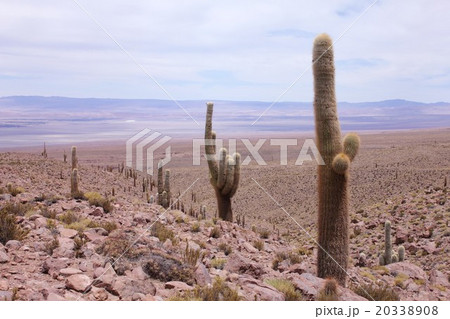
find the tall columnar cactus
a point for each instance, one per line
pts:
(333, 219)
(163, 186)
(74, 179)
(74, 157)
(387, 243)
(167, 183)
(225, 174)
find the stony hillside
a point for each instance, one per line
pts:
(128, 249)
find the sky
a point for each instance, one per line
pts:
(227, 50)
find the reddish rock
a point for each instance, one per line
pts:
(242, 265)
(79, 282)
(4, 258)
(202, 276)
(98, 211)
(68, 233)
(177, 285)
(69, 271)
(407, 268)
(258, 290)
(54, 297)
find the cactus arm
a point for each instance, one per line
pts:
(223, 167)
(230, 176)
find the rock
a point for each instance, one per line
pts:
(298, 268)
(99, 294)
(2, 248)
(202, 276)
(194, 246)
(165, 268)
(167, 244)
(138, 273)
(177, 285)
(6, 295)
(138, 297)
(308, 284)
(98, 211)
(69, 271)
(68, 233)
(40, 222)
(242, 265)
(78, 282)
(13, 245)
(401, 236)
(54, 297)
(126, 287)
(436, 278)
(257, 290)
(412, 248)
(407, 268)
(4, 284)
(104, 278)
(249, 247)
(52, 266)
(141, 218)
(4, 258)
(430, 247)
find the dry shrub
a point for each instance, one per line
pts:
(9, 229)
(286, 287)
(161, 231)
(95, 199)
(219, 291)
(377, 293)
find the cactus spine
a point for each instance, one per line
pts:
(333, 219)
(225, 174)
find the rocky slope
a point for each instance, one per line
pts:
(140, 251)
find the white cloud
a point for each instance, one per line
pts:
(398, 49)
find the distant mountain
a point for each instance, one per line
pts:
(27, 119)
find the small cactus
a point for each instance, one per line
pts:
(401, 253)
(164, 200)
(394, 258)
(387, 243)
(152, 199)
(65, 156)
(225, 174)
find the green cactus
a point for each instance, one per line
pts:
(401, 253)
(225, 174)
(333, 219)
(387, 243)
(164, 200)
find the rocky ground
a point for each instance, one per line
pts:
(140, 251)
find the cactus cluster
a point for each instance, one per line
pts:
(224, 174)
(389, 257)
(333, 217)
(163, 186)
